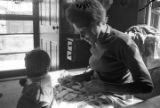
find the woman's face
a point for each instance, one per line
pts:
(88, 34)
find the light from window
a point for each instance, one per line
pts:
(10, 7)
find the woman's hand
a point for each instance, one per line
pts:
(94, 86)
(65, 80)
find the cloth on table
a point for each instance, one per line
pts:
(74, 95)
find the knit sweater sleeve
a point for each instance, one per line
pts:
(130, 56)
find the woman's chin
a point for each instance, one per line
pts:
(88, 41)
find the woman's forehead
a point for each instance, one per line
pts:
(79, 28)
(76, 29)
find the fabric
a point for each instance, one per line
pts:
(39, 94)
(74, 95)
(148, 41)
(153, 102)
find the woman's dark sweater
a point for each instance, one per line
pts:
(117, 60)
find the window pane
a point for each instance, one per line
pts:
(16, 36)
(15, 26)
(17, 8)
(12, 50)
(12, 62)
(12, 43)
(155, 20)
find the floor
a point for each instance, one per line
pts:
(10, 91)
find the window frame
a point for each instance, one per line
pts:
(35, 18)
(149, 17)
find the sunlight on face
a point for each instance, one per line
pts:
(86, 33)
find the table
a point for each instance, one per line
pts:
(72, 97)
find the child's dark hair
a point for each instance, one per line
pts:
(37, 62)
(86, 12)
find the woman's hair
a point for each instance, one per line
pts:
(37, 62)
(85, 12)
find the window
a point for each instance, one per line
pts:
(153, 38)
(155, 15)
(16, 33)
(14, 7)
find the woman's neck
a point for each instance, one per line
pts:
(104, 29)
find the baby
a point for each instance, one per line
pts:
(38, 94)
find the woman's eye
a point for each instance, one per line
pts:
(82, 35)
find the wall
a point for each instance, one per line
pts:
(79, 49)
(123, 16)
(49, 29)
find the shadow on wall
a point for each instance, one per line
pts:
(123, 14)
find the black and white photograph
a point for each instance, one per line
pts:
(80, 53)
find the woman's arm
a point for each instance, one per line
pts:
(98, 86)
(128, 88)
(142, 82)
(129, 54)
(83, 77)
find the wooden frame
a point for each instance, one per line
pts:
(53, 12)
(49, 12)
(43, 12)
(40, 12)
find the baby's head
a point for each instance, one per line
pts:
(37, 63)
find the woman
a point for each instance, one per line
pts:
(117, 67)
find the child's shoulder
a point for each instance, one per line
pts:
(32, 88)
